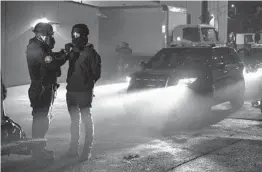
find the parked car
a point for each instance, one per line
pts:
(215, 72)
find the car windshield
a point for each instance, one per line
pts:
(170, 58)
(209, 34)
(192, 34)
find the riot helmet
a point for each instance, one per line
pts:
(45, 33)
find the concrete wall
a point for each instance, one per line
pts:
(194, 9)
(18, 18)
(141, 28)
(219, 10)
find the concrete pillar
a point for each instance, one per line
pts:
(194, 10)
(219, 10)
(204, 12)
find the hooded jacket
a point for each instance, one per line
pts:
(84, 69)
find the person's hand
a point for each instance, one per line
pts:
(68, 47)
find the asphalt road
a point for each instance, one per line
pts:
(192, 147)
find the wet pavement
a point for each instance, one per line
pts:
(222, 141)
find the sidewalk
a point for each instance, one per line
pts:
(231, 145)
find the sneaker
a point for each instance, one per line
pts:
(85, 156)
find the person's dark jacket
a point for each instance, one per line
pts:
(84, 69)
(4, 90)
(41, 70)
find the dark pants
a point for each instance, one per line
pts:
(41, 99)
(2, 111)
(80, 103)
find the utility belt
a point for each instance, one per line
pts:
(54, 87)
(42, 95)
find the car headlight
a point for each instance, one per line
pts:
(128, 79)
(186, 81)
(244, 71)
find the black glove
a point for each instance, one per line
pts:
(4, 91)
(68, 47)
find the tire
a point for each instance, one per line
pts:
(238, 101)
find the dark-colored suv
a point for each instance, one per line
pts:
(213, 71)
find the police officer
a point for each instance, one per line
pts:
(124, 53)
(232, 40)
(84, 71)
(3, 97)
(44, 68)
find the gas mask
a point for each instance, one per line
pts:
(79, 39)
(49, 40)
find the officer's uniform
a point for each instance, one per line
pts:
(84, 70)
(44, 68)
(3, 96)
(124, 53)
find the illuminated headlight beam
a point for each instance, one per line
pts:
(110, 88)
(253, 75)
(128, 79)
(186, 81)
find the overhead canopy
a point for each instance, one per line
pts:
(116, 3)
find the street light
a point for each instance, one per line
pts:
(232, 5)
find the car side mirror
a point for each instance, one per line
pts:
(143, 64)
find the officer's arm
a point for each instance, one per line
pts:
(61, 58)
(4, 90)
(36, 53)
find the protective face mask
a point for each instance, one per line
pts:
(43, 38)
(80, 42)
(50, 41)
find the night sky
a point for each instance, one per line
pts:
(245, 20)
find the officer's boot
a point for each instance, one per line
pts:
(39, 128)
(75, 134)
(89, 133)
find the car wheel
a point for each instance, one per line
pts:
(237, 102)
